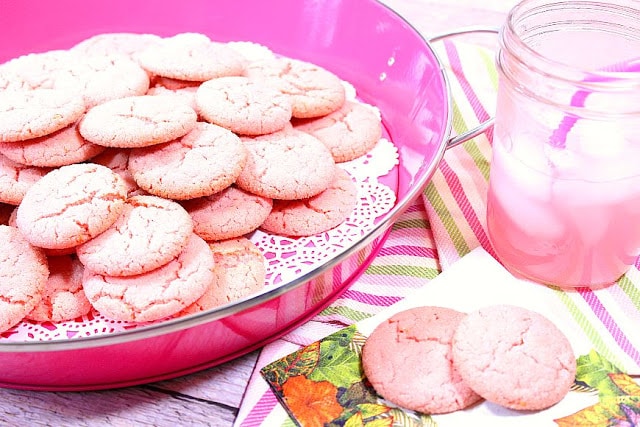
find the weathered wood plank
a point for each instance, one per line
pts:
(207, 398)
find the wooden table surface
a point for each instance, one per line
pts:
(211, 397)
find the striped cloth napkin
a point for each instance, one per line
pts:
(446, 224)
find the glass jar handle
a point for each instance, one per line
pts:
(482, 127)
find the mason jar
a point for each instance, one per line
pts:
(563, 204)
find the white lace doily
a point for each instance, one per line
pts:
(287, 258)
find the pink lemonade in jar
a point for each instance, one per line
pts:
(563, 220)
(563, 206)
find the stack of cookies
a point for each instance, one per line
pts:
(133, 167)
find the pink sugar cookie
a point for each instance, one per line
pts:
(16, 179)
(407, 359)
(35, 113)
(251, 51)
(149, 233)
(109, 77)
(177, 90)
(240, 270)
(137, 121)
(117, 159)
(206, 160)
(48, 252)
(349, 132)
(63, 147)
(286, 165)
(243, 106)
(127, 44)
(314, 91)
(191, 56)
(514, 357)
(43, 70)
(157, 294)
(96, 78)
(227, 214)
(71, 205)
(23, 274)
(316, 214)
(63, 298)
(186, 95)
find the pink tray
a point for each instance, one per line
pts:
(363, 42)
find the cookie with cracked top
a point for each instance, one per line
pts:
(71, 205)
(206, 160)
(157, 294)
(16, 179)
(23, 274)
(137, 121)
(240, 270)
(242, 105)
(349, 132)
(127, 44)
(227, 214)
(314, 91)
(94, 78)
(407, 359)
(63, 297)
(149, 233)
(191, 57)
(35, 113)
(514, 357)
(287, 165)
(316, 214)
(60, 148)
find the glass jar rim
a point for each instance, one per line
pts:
(590, 79)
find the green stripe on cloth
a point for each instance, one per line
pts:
(481, 162)
(443, 213)
(402, 270)
(631, 290)
(471, 146)
(411, 223)
(489, 62)
(289, 423)
(459, 124)
(349, 313)
(587, 327)
(436, 200)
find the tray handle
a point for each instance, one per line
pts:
(482, 127)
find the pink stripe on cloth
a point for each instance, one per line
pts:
(409, 234)
(612, 327)
(416, 207)
(453, 181)
(261, 410)
(337, 274)
(376, 300)
(474, 101)
(409, 250)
